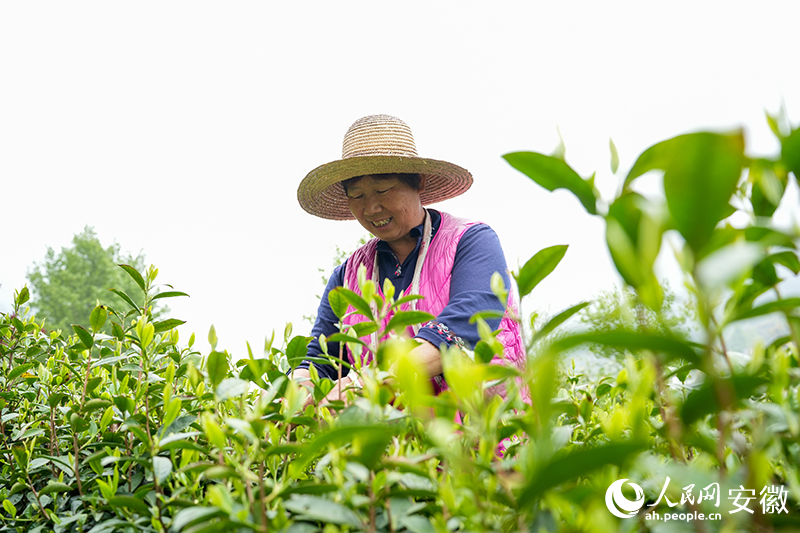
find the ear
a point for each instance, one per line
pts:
(421, 183)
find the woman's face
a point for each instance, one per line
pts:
(385, 206)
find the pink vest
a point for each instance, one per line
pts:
(434, 285)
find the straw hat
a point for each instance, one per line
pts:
(377, 144)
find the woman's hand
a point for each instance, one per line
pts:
(334, 395)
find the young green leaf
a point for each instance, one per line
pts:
(790, 153)
(359, 303)
(337, 302)
(553, 173)
(98, 318)
(403, 319)
(362, 329)
(217, 367)
(576, 464)
(212, 337)
(133, 273)
(557, 320)
(539, 267)
(22, 296)
(297, 349)
(614, 156)
(701, 171)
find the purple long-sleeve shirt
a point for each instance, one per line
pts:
(478, 256)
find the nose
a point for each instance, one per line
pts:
(371, 205)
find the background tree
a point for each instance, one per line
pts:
(66, 285)
(621, 309)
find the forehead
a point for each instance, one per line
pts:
(369, 181)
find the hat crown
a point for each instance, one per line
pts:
(378, 135)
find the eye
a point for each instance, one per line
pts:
(355, 197)
(383, 191)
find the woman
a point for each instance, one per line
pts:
(381, 182)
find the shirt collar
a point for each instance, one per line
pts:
(436, 220)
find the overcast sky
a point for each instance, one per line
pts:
(182, 129)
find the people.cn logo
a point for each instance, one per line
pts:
(621, 506)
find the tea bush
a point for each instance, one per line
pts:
(134, 431)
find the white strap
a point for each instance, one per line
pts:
(354, 379)
(427, 235)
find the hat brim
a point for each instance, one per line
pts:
(320, 194)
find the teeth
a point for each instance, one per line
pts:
(381, 223)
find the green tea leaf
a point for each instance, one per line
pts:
(701, 171)
(212, 337)
(130, 502)
(19, 370)
(133, 273)
(9, 508)
(168, 294)
(54, 487)
(217, 367)
(790, 153)
(705, 400)
(125, 297)
(168, 324)
(337, 302)
(403, 319)
(539, 267)
(98, 318)
(297, 349)
(94, 405)
(193, 515)
(322, 510)
(358, 303)
(633, 341)
(22, 296)
(84, 336)
(231, 388)
(785, 306)
(362, 329)
(78, 424)
(614, 156)
(557, 320)
(572, 465)
(553, 173)
(162, 468)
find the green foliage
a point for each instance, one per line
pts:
(134, 432)
(67, 285)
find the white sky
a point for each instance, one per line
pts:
(182, 129)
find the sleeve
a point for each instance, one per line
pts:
(478, 256)
(327, 324)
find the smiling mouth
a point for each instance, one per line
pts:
(381, 223)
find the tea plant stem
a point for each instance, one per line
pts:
(36, 494)
(389, 514)
(262, 498)
(722, 344)
(76, 449)
(341, 363)
(667, 413)
(52, 439)
(86, 378)
(371, 495)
